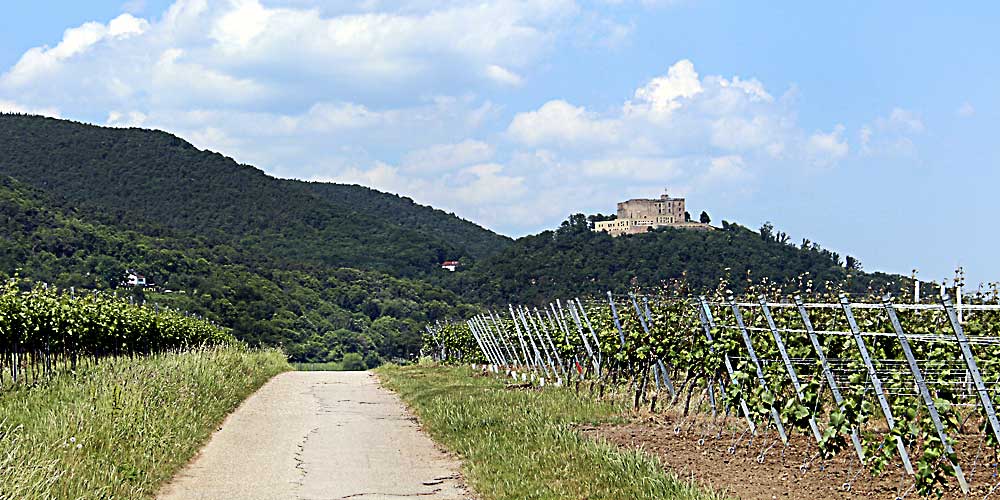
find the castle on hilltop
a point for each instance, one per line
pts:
(640, 215)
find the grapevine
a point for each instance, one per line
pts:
(861, 399)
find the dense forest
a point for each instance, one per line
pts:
(323, 269)
(319, 269)
(159, 184)
(574, 260)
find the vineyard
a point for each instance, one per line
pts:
(904, 392)
(45, 331)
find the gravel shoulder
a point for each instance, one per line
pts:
(319, 436)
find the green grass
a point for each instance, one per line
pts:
(519, 444)
(124, 427)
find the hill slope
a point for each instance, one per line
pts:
(324, 269)
(155, 182)
(317, 315)
(574, 260)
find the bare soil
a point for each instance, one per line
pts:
(723, 458)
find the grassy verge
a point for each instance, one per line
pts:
(124, 427)
(521, 444)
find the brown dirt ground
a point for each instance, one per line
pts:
(700, 451)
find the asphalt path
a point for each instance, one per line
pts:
(319, 436)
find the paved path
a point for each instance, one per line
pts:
(319, 436)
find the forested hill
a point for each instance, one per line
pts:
(471, 238)
(157, 183)
(316, 315)
(574, 260)
(322, 269)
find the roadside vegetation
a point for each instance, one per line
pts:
(122, 428)
(519, 444)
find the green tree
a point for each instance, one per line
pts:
(704, 218)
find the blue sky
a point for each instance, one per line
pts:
(864, 126)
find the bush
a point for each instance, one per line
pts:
(353, 361)
(372, 360)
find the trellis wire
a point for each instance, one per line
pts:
(886, 378)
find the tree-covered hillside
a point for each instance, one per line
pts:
(574, 260)
(324, 269)
(473, 240)
(159, 184)
(316, 314)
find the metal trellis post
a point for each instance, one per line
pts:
(520, 338)
(788, 364)
(970, 361)
(618, 325)
(555, 352)
(597, 341)
(918, 376)
(659, 365)
(760, 370)
(510, 354)
(547, 359)
(876, 383)
(488, 340)
(708, 323)
(474, 326)
(663, 368)
(482, 347)
(583, 337)
(506, 339)
(539, 361)
(828, 373)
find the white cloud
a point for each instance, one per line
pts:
(39, 61)
(300, 52)
(892, 134)
(966, 110)
(681, 115)
(865, 136)
(236, 29)
(448, 156)
(504, 76)
(561, 122)
(903, 121)
(397, 95)
(650, 169)
(127, 25)
(126, 119)
(387, 47)
(176, 81)
(726, 167)
(828, 147)
(666, 93)
(488, 185)
(338, 116)
(381, 176)
(483, 189)
(736, 133)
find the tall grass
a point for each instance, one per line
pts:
(519, 444)
(124, 427)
